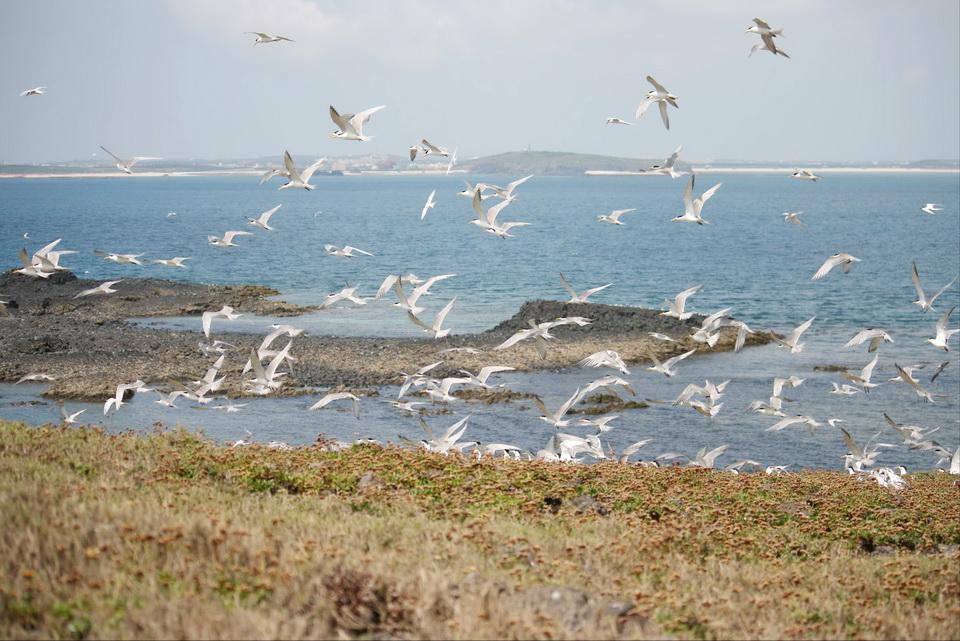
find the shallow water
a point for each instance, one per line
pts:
(748, 259)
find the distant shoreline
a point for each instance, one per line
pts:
(390, 172)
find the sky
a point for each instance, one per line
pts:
(867, 80)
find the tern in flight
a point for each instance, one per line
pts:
(792, 217)
(227, 239)
(265, 38)
(176, 261)
(296, 178)
(263, 221)
(350, 126)
(126, 166)
(766, 33)
(614, 217)
(430, 204)
(762, 46)
(120, 259)
(582, 297)
(922, 300)
(792, 341)
(613, 120)
(36, 91)
(429, 148)
(660, 96)
(346, 252)
(668, 168)
(541, 332)
(875, 336)
(437, 327)
(339, 396)
(942, 338)
(226, 312)
(863, 378)
(556, 418)
(102, 288)
(805, 174)
(666, 368)
(692, 207)
(931, 208)
(676, 307)
(606, 358)
(844, 260)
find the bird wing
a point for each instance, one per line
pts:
(594, 290)
(688, 207)
(860, 337)
(656, 85)
(265, 216)
(942, 323)
(485, 372)
(785, 423)
(431, 146)
(663, 113)
(523, 334)
(309, 171)
(350, 249)
(642, 107)
(495, 210)
(342, 122)
(230, 235)
(670, 362)
(477, 207)
(570, 402)
(915, 277)
(516, 183)
(828, 264)
(291, 168)
(362, 117)
(768, 41)
(760, 23)
(386, 285)
(442, 314)
(112, 154)
(416, 321)
(567, 286)
(709, 193)
(712, 455)
(794, 336)
(682, 297)
(941, 290)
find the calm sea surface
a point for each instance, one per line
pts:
(747, 259)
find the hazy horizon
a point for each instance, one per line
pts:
(866, 81)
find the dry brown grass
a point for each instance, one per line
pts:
(167, 535)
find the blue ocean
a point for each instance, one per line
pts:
(748, 259)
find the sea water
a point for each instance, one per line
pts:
(748, 259)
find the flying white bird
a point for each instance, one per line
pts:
(662, 337)
(692, 207)
(792, 217)
(120, 259)
(601, 422)
(580, 298)
(614, 217)
(507, 192)
(339, 396)
(922, 300)
(666, 368)
(762, 46)
(668, 168)
(117, 399)
(914, 383)
(34, 377)
(448, 440)
(167, 400)
(860, 457)
(102, 288)
(613, 120)
(267, 379)
(793, 338)
(227, 239)
(541, 332)
(299, 179)
(676, 307)
(36, 91)
(264, 38)
(767, 34)
(556, 418)
(605, 358)
(793, 420)
(863, 378)
(226, 312)
(346, 252)
(843, 390)
(409, 302)
(429, 148)
(844, 260)
(875, 336)
(805, 174)
(176, 261)
(487, 218)
(126, 166)
(706, 459)
(610, 383)
(263, 221)
(350, 126)
(942, 338)
(430, 204)
(437, 327)
(660, 96)
(69, 419)
(480, 379)
(931, 208)
(347, 293)
(742, 330)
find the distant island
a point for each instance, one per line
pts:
(540, 163)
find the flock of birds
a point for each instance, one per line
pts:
(267, 366)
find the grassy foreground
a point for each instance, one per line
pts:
(167, 535)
